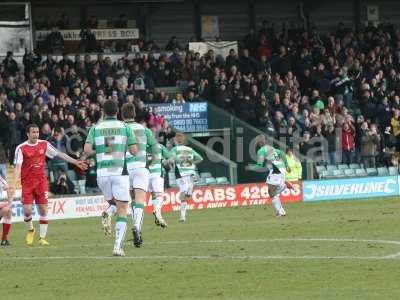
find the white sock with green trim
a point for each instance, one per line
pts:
(138, 212)
(156, 202)
(183, 210)
(276, 202)
(120, 230)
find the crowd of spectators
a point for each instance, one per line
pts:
(291, 83)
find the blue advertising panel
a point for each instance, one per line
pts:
(354, 188)
(187, 117)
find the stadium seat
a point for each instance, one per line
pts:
(210, 181)
(338, 173)
(331, 167)
(393, 171)
(205, 175)
(349, 173)
(361, 172)
(324, 174)
(343, 167)
(383, 171)
(200, 182)
(328, 174)
(222, 180)
(71, 175)
(354, 166)
(372, 171)
(319, 169)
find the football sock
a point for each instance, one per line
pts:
(276, 202)
(6, 228)
(156, 203)
(183, 210)
(138, 216)
(120, 230)
(160, 202)
(111, 210)
(28, 223)
(43, 224)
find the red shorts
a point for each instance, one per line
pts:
(35, 192)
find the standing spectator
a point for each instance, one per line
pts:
(88, 40)
(395, 122)
(173, 44)
(3, 160)
(10, 65)
(58, 141)
(294, 165)
(331, 139)
(14, 135)
(348, 144)
(370, 141)
(55, 41)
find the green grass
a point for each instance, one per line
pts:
(218, 254)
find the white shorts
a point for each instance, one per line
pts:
(275, 179)
(156, 184)
(185, 185)
(139, 178)
(115, 187)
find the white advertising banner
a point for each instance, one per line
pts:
(101, 34)
(219, 48)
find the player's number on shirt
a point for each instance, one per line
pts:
(109, 142)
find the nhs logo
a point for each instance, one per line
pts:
(198, 107)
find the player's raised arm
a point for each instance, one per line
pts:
(52, 152)
(260, 161)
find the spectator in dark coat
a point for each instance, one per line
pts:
(370, 146)
(10, 65)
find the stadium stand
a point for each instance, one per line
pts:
(300, 86)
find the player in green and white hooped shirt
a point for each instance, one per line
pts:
(139, 175)
(109, 140)
(156, 185)
(185, 159)
(276, 162)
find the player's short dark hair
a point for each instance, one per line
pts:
(128, 111)
(28, 128)
(110, 108)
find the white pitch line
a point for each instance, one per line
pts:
(394, 256)
(205, 257)
(349, 240)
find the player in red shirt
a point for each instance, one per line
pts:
(5, 213)
(30, 164)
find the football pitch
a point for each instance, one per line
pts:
(332, 250)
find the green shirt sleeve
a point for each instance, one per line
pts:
(164, 152)
(151, 142)
(197, 156)
(131, 139)
(90, 137)
(260, 157)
